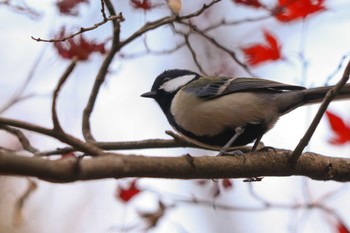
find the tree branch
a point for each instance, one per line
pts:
(163, 21)
(103, 11)
(127, 145)
(211, 40)
(205, 167)
(117, 45)
(194, 55)
(68, 71)
(86, 128)
(81, 30)
(21, 138)
(136, 145)
(21, 7)
(21, 202)
(18, 95)
(331, 94)
(88, 148)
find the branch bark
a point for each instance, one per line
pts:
(331, 94)
(117, 166)
(101, 75)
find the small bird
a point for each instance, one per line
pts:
(223, 112)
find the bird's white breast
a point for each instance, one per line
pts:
(205, 117)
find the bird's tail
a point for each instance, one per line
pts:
(316, 95)
(293, 99)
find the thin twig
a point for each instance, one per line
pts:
(68, 71)
(87, 148)
(21, 138)
(337, 69)
(100, 78)
(175, 136)
(223, 22)
(103, 11)
(24, 9)
(257, 197)
(127, 145)
(21, 201)
(17, 97)
(219, 46)
(200, 11)
(4, 149)
(149, 51)
(163, 21)
(25, 125)
(136, 145)
(16, 100)
(266, 206)
(194, 55)
(82, 29)
(331, 94)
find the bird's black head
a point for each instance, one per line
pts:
(170, 81)
(167, 84)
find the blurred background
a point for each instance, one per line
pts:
(310, 45)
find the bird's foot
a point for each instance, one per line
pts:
(230, 153)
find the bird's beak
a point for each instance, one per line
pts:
(150, 94)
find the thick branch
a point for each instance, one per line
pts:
(184, 167)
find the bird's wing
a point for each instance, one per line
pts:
(216, 87)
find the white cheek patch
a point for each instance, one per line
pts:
(174, 84)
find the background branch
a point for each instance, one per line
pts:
(18, 95)
(193, 54)
(23, 8)
(213, 41)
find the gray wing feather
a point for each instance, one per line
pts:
(226, 86)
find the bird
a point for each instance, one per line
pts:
(221, 113)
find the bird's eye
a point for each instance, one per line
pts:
(166, 79)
